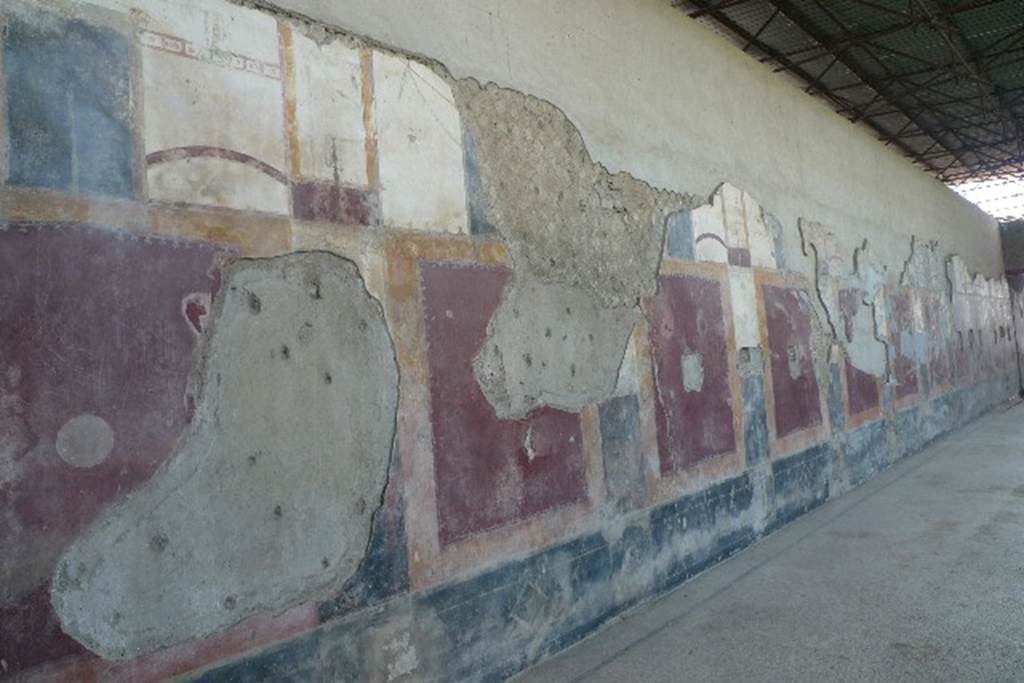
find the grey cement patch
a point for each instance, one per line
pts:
(268, 498)
(551, 345)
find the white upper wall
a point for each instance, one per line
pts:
(656, 94)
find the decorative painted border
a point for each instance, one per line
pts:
(222, 58)
(430, 563)
(665, 488)
(805, 438)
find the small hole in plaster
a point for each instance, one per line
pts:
(158, 542)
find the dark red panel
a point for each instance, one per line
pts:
(862, 391)
(939, 355)
(328, 201)
(738, 256)
(904, 367)
(687, 320)
(92, 322)
(486, 476)
(794, 385)
(964, 359)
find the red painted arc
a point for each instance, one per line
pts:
(211, 152)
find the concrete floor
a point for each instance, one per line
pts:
(916, 576)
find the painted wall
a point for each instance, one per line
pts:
(663, 98)
(319, 360)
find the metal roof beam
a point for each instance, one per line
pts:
(724, 4)
(962, 48)
(797, 16)
(743, 34)
(859, 38)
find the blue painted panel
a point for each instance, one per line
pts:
(680, 236)
(68, 94)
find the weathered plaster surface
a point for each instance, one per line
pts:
(561, 213)
(559, 335)
(269, 497)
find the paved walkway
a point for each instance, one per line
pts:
(916, 576)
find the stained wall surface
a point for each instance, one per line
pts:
(321, 360)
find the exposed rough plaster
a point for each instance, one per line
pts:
(566, 219)
(269, 496)
(586, 246)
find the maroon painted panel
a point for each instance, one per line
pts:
(794, 384)
(964, 349)
(904, 367)
(687, 320)
(327, 201)
(97, 323)
(485, 474)
(738, 256)
(939, 354)
(862, 391)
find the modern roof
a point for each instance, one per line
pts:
(941, 80)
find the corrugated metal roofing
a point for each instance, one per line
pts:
(942, 80)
